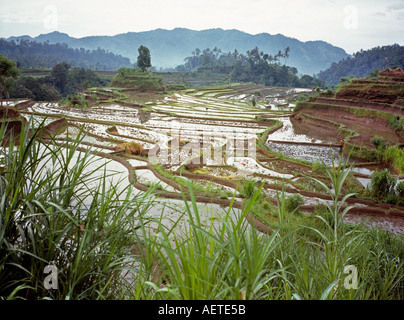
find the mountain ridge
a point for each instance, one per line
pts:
(169, 48)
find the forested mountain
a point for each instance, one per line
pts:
(37, 54)
(169, 48)
(363, 63)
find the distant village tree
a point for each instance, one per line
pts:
(8, 70)
(60, 75)
(143, 60)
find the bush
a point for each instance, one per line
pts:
(378, 142)
(382, 184)
(318, 167)
(395, 122)
(394, 156)
(294, 202)
(392, 198)
(248, 189)
(77, 101)
(400, 189)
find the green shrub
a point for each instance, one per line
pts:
(400, 189)
(318, 167)
(294, 202)
(392, 198)
(395, 122)
(77, 101)
(382, 184)
(248, 189)
(378, 142)
(253, 101)
(394, 156)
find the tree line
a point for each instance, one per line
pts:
(62, 81)
(36, 54)
(363, 63)
(254, 66)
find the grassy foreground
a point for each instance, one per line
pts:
(67, 232)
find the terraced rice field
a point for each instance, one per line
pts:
(214, 138)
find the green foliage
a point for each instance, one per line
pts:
(248, 189)
(394, 156)
(364, 63)
(400, 189)
(400, 101)
(8, 70)
(378, 142)
(253, 101)
(133, 78)
(60, 82)
(382, 184)
(256, 66)
(77, 101)
(144, 59)
(293, 202)
(396, 122)
(59, 76)
(37, 89)
(231, 261)
(337, 174)
(30, 54)
(175, 87)
(318, 166)
(80, 79)
(59, 208)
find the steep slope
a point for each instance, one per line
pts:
(360, 112)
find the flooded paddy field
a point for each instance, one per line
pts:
(200, 124)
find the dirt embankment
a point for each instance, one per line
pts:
(388, 88)
(383, 107)
(327, 121)
(362, 109)
(380, 93)
(53, 129)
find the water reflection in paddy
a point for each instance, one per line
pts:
(311, 153)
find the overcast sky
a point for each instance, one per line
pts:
(351, 25)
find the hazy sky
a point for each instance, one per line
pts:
(352, 25)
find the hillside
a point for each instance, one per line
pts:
(169, 47)
(46, 55)
(368, 113)
(137, 80)
(363, 63)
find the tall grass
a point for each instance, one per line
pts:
(354, 246)
(57, 210)
(231, 260)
